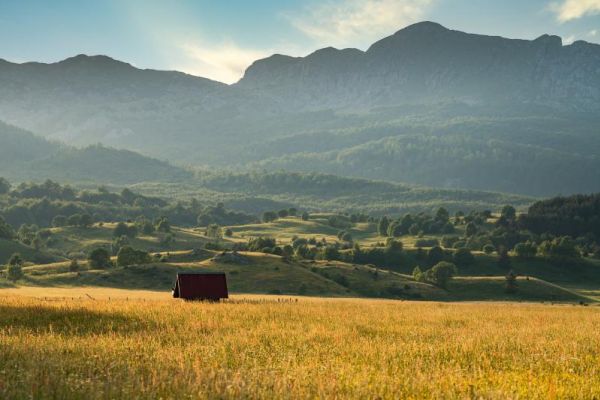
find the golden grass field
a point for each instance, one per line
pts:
(148, 346)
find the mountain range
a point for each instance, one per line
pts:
(427, 105)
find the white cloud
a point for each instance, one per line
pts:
(568, 10)
(569, 39)
(593, 33)
(225, 63)
(357, 22)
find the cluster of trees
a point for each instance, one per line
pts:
(418, 224)
(52, 204)
(126, 256)
(440, 274)
(573, 216)
(270, 216)
(220, 216)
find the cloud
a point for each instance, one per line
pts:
(568, 10)
(357, 22)
(593, 33)
(225, 63)
(569, 39)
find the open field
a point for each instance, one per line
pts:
(336, 348)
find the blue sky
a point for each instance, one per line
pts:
(219, 39)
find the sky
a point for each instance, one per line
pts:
(219, 39)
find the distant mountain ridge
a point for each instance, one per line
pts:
(427, 63)
(427, 105)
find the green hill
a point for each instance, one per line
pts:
(24, 156)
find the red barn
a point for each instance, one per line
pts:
(201, 286)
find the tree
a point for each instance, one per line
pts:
(382, 226)
(503, 258)
(86, 220)
(394, 245)
(74, 220)
(305, 216)
(14, 268)
(511, 282)
(560, 248)
(167, 240)
(489, 249)
(74, 266)
(395, 229)
(414, 229)
(292, 211)
(59, 221)
(471, 229)
(145, 226)
(508, 212)
(259, 243)
(99, 258)
(119, 242)
(129, 256)
(330, 253)
(441, 273)
(4, 186)
(121, 230)
(283, 213)
(418, 275)
(163, 225)
(287, 252)
(463, 257)
(269, 216)
(228, 232)
(442, 215)
(214, 231)
(345, 236)
(6, 231)
(435, 255)
(525, 250)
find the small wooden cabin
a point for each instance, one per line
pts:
(210, 286)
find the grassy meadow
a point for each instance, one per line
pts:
(271, 347)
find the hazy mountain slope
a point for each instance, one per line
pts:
(24, 156)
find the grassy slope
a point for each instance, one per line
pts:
(271, 274)
(9, 247)
(74, 240)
